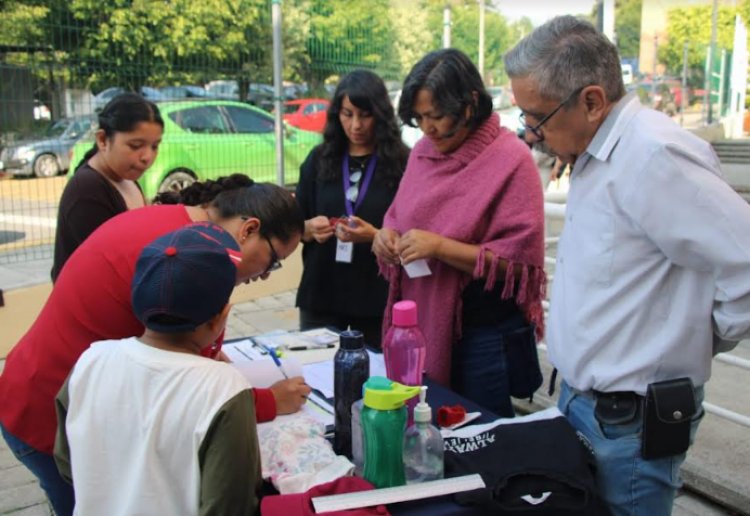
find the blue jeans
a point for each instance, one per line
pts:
(479, 369)
(629, 484)
(43, 466)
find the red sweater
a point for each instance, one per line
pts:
(90, 302)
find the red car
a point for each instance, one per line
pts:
(307, 114)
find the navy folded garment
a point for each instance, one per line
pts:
(532, 465)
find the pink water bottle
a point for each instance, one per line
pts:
(404, 349)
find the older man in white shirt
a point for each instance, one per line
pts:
(653, 266)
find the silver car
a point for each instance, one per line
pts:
(47, 155)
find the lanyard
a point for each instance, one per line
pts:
(365, 183)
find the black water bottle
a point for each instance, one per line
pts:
(351, 368)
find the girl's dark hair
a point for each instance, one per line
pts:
(453, 80)
(367, 92)
(239, 196)
(121, 115)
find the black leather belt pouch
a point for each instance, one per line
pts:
(616, 408)
(670, 406)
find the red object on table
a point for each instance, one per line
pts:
(448, 416)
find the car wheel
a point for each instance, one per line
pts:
(176, 181)
(46, 166)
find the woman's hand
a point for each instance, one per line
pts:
(318, 229)
(357, 230)
(290, 394)
(384, 245)
(416, 244)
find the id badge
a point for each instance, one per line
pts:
(344, 251)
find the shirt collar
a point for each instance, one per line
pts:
(612, 128)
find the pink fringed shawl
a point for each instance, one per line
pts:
(487, 192)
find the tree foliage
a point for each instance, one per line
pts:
(692, 25)
(133, 43)
(628, 27)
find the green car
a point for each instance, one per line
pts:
(206, 139)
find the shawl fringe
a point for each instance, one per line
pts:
(528, 292)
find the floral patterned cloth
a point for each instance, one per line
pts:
(296, 456)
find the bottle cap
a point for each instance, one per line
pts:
(351, 339)
(384, 394)
(405, 313)
(422, 412)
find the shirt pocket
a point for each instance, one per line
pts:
(592, 242)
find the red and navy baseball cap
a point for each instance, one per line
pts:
(184, 278)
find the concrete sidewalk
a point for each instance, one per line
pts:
(20, 494)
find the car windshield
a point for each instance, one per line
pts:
(56, 129)
(290, 108)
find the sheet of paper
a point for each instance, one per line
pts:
(319, 375)
(242, 351)
(263, 372)
(312, 339)
(417, 269)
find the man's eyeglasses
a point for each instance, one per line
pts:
(537, 129)
(275, 263)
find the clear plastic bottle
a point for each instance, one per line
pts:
(351, 367)
(383, 425)
(423, 446)
(358, 451)
(404, 348)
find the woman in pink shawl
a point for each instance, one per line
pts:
(470, 204)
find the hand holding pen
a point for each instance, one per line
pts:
(290, 393)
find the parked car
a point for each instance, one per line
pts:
(47, 155)
(260, 95)
(104, 96)
(307, 114)
(183, 92)
(206, 139)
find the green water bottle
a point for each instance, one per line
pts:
(383, 425)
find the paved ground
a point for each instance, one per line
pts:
(20, 494)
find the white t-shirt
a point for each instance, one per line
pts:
(137, 419)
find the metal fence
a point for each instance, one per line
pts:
(61, 61)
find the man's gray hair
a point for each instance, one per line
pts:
(566, 54)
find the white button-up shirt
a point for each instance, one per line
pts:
(653, 265)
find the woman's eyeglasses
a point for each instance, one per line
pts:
(275, 263)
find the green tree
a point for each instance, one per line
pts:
(21, 23)
(688, 25)
(465, 34)
(628, 27)
(411, 22)
(348, 34)
(131, 43)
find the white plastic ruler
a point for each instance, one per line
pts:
(341, 502)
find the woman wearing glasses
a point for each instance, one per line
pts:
(346, 185)
(470, 205)
(90, 302)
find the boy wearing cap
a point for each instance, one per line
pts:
(148, 426)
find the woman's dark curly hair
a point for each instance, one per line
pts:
(455, 84)
(239, 196)
(367, 92)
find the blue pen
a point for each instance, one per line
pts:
(276, 360)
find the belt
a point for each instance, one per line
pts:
(593, 395)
